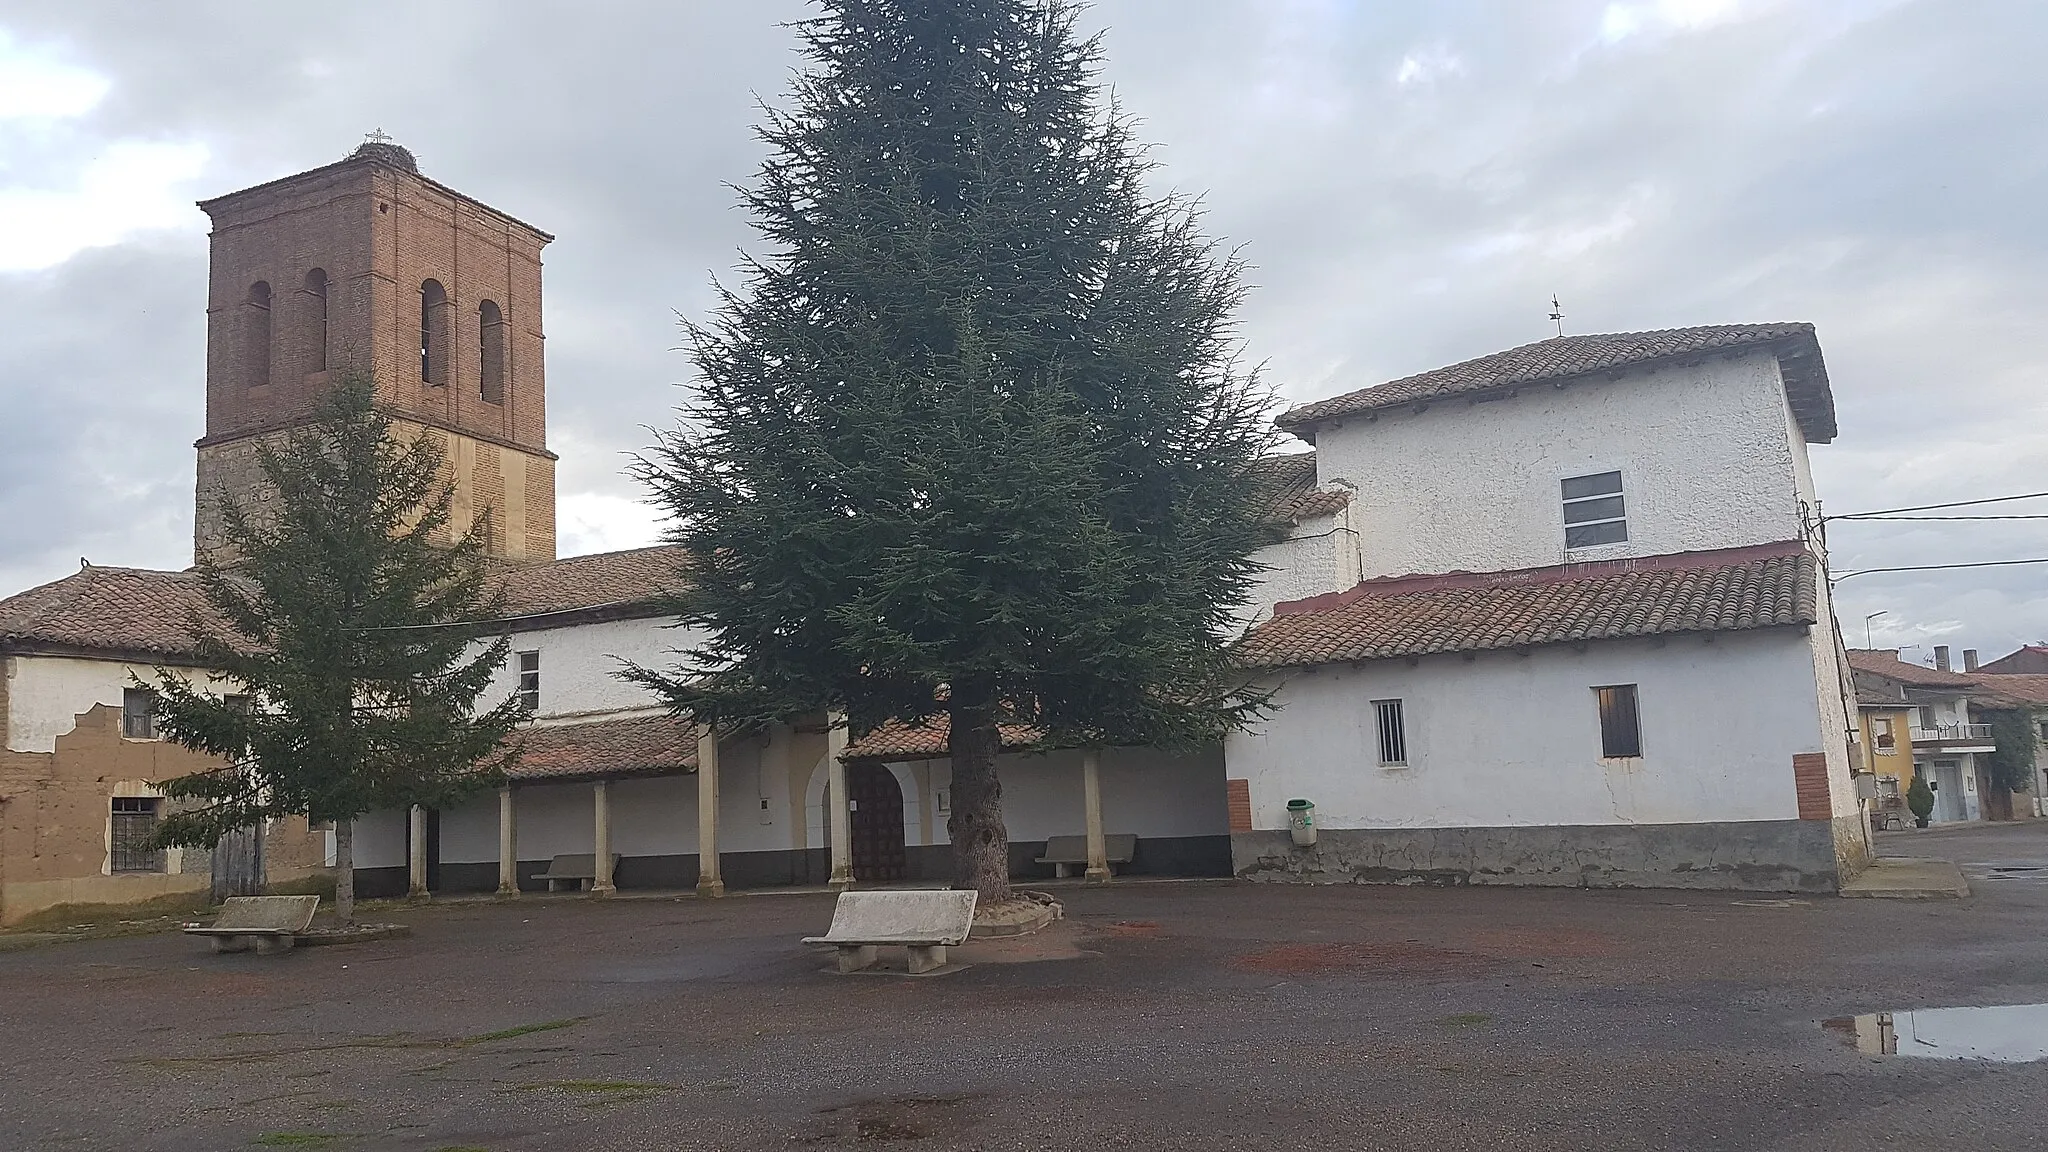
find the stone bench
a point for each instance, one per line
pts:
(1064, 852)
(577, 868)
(265, 923)
(923, 922)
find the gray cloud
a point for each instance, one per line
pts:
(1412, 182)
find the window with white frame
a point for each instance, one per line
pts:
(1594, 511)
(1393, 733)
(529, 681)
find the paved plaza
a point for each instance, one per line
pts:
(1210, 1014)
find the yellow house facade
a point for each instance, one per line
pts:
(1888, 753)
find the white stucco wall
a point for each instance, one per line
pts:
(45, 694)
(1506, 740)
(1145, 792)
(1705, 458)
(579, 665)
(380, 840)
(1830, 673)
(1320, 555)
(650, 816)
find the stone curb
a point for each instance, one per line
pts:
(1908, 878)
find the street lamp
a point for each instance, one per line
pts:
(1866, 625)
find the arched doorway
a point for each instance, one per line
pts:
(875, 823)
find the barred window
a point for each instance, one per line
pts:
(1594, 512)
(1621, 733)
(529, 681)
(138, 714)
(1393, 732)
(134, 822)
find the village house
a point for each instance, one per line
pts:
(80, 758)
(1944, 744)
(1553, 616)
(1591, 644)
(2017, 682)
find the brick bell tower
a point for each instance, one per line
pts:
(366, 264)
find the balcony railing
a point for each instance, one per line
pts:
(1979, 732)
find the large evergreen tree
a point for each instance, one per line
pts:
(341, 639)
(972, 439)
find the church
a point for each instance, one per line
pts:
(1556, 615)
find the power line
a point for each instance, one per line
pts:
(1936, 567)
(1874, 516)
(1933, 507)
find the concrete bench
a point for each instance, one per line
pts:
(579, 869)
(265, 923)
(1063, 852)
(925, 923)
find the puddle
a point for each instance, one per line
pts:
(2007, 1033)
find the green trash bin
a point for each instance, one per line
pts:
(1301, 822)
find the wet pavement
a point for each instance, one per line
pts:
(1196, 1015)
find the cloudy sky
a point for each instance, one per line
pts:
(1411, 181)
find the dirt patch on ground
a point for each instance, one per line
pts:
(1404, 958)
(1133, 929)
(1539, 943)
(891, 1120)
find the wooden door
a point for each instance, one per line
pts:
(876, 824)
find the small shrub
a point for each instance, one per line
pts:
(1920, 799)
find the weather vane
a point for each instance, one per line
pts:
(1557, 314)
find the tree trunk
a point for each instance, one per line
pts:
(981, 845)
(238, 863)
(345, 871)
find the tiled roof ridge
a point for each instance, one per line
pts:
(2029, 689)
(1886, 662)
(42, 614)
(1385, 586)
(1727, 591)
(1564, 358)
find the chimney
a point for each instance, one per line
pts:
(1969, 659)
(1941, 657)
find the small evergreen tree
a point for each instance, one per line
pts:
(2012, 760)
(1920, 800)
(344, 678)
(973, 441)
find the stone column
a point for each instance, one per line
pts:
(709, 881)
(508, 845)
(602, 861)
(1091, 797)
(835, 804)
(416, 852)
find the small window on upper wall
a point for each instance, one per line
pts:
(1593, 511)
(529, 681)
(138, 713)
(1621, 730)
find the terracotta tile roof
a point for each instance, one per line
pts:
(1569, 357)
(1885, 662)
(2012, 689)
(896, 740)
(1287, 489)
(632, 746)
(131, 610)
(1723, 591)
(635, 577)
